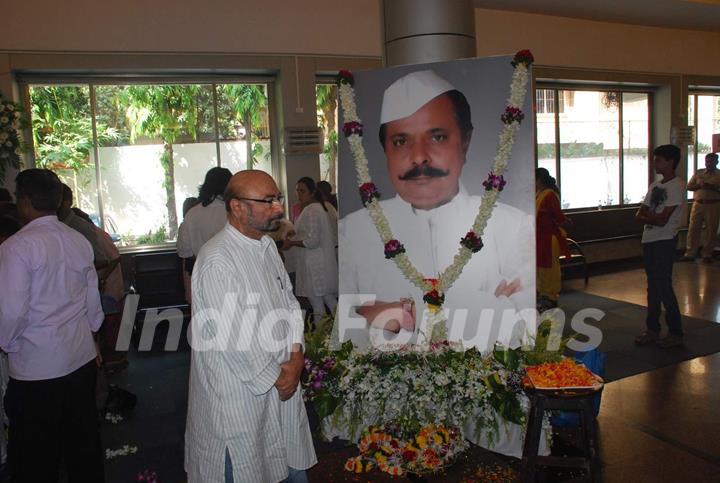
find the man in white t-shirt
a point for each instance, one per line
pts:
(661, 212)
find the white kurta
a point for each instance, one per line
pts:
(316, 268)
(243, 295)
(431, 239)
(200, 224)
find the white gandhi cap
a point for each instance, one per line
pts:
(409, 93)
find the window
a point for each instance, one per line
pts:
(545, 100)
(326, 96)
(596, 146)
(149, 147)
(704, 114)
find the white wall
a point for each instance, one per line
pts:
(132, 181)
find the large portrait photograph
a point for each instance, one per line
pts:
(429, 230)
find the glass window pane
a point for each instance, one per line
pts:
(163, 147)
(691, 159)
(589, 138)
(545, 125)
(708, 122)
(635, 146)
(326, 96)
(244, 127)
(63, 140)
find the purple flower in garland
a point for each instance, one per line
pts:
(523, 57)
(511, 115)
(368, 192)
(494, 182)
(472, 242)
(329, 362)
(352, 127)
(345, 77)
(393, 248)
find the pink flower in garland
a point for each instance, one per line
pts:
(472, 242)
(345, 77)
(393, 248)
(494, 182)
(368, 192)
(523, 57)
(352, 127)
(147, 476)
(511, 115)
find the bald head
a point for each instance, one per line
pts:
(251, 183)
(245, 202)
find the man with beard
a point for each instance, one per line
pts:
(246, 418)
(426, 131)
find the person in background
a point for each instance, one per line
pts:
(316, 236)
(202, 222)
(111, 278)
(48, 313)
(325, 189)
(85, 228)
(661, 212)
(112, 290)
(550, 239)
(705, 209)
(188, 204)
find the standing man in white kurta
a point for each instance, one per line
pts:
(425, 131)
(246, 419)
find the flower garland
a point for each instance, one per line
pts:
(433, 448)
(435, 289)
(10, 144)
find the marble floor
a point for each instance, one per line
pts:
(663, 425)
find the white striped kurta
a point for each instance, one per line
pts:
(245, 320)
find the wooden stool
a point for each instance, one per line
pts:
(580, 401)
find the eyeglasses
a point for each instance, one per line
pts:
(279, 199)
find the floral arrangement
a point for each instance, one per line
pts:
(408, 390)
(124, 451)
(433, 448)
(511, 118)
(11, 121)
(565, 373)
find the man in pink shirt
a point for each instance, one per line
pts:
(48, 314)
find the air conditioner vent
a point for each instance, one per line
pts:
(303, 140)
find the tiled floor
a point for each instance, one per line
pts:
(662, 426)
(697, 287)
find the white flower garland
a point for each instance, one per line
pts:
(448, 277)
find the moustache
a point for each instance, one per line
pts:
(424, 170)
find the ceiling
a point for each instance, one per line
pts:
(682, 14)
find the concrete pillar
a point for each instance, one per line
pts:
(419, 31)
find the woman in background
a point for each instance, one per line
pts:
(551, 239)
(316, 235)
(202, 222)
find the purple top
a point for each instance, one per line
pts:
(49, 302)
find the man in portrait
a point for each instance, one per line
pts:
(426, 130)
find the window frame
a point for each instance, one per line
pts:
(559, 86)
(694, 92)
(26, 80)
